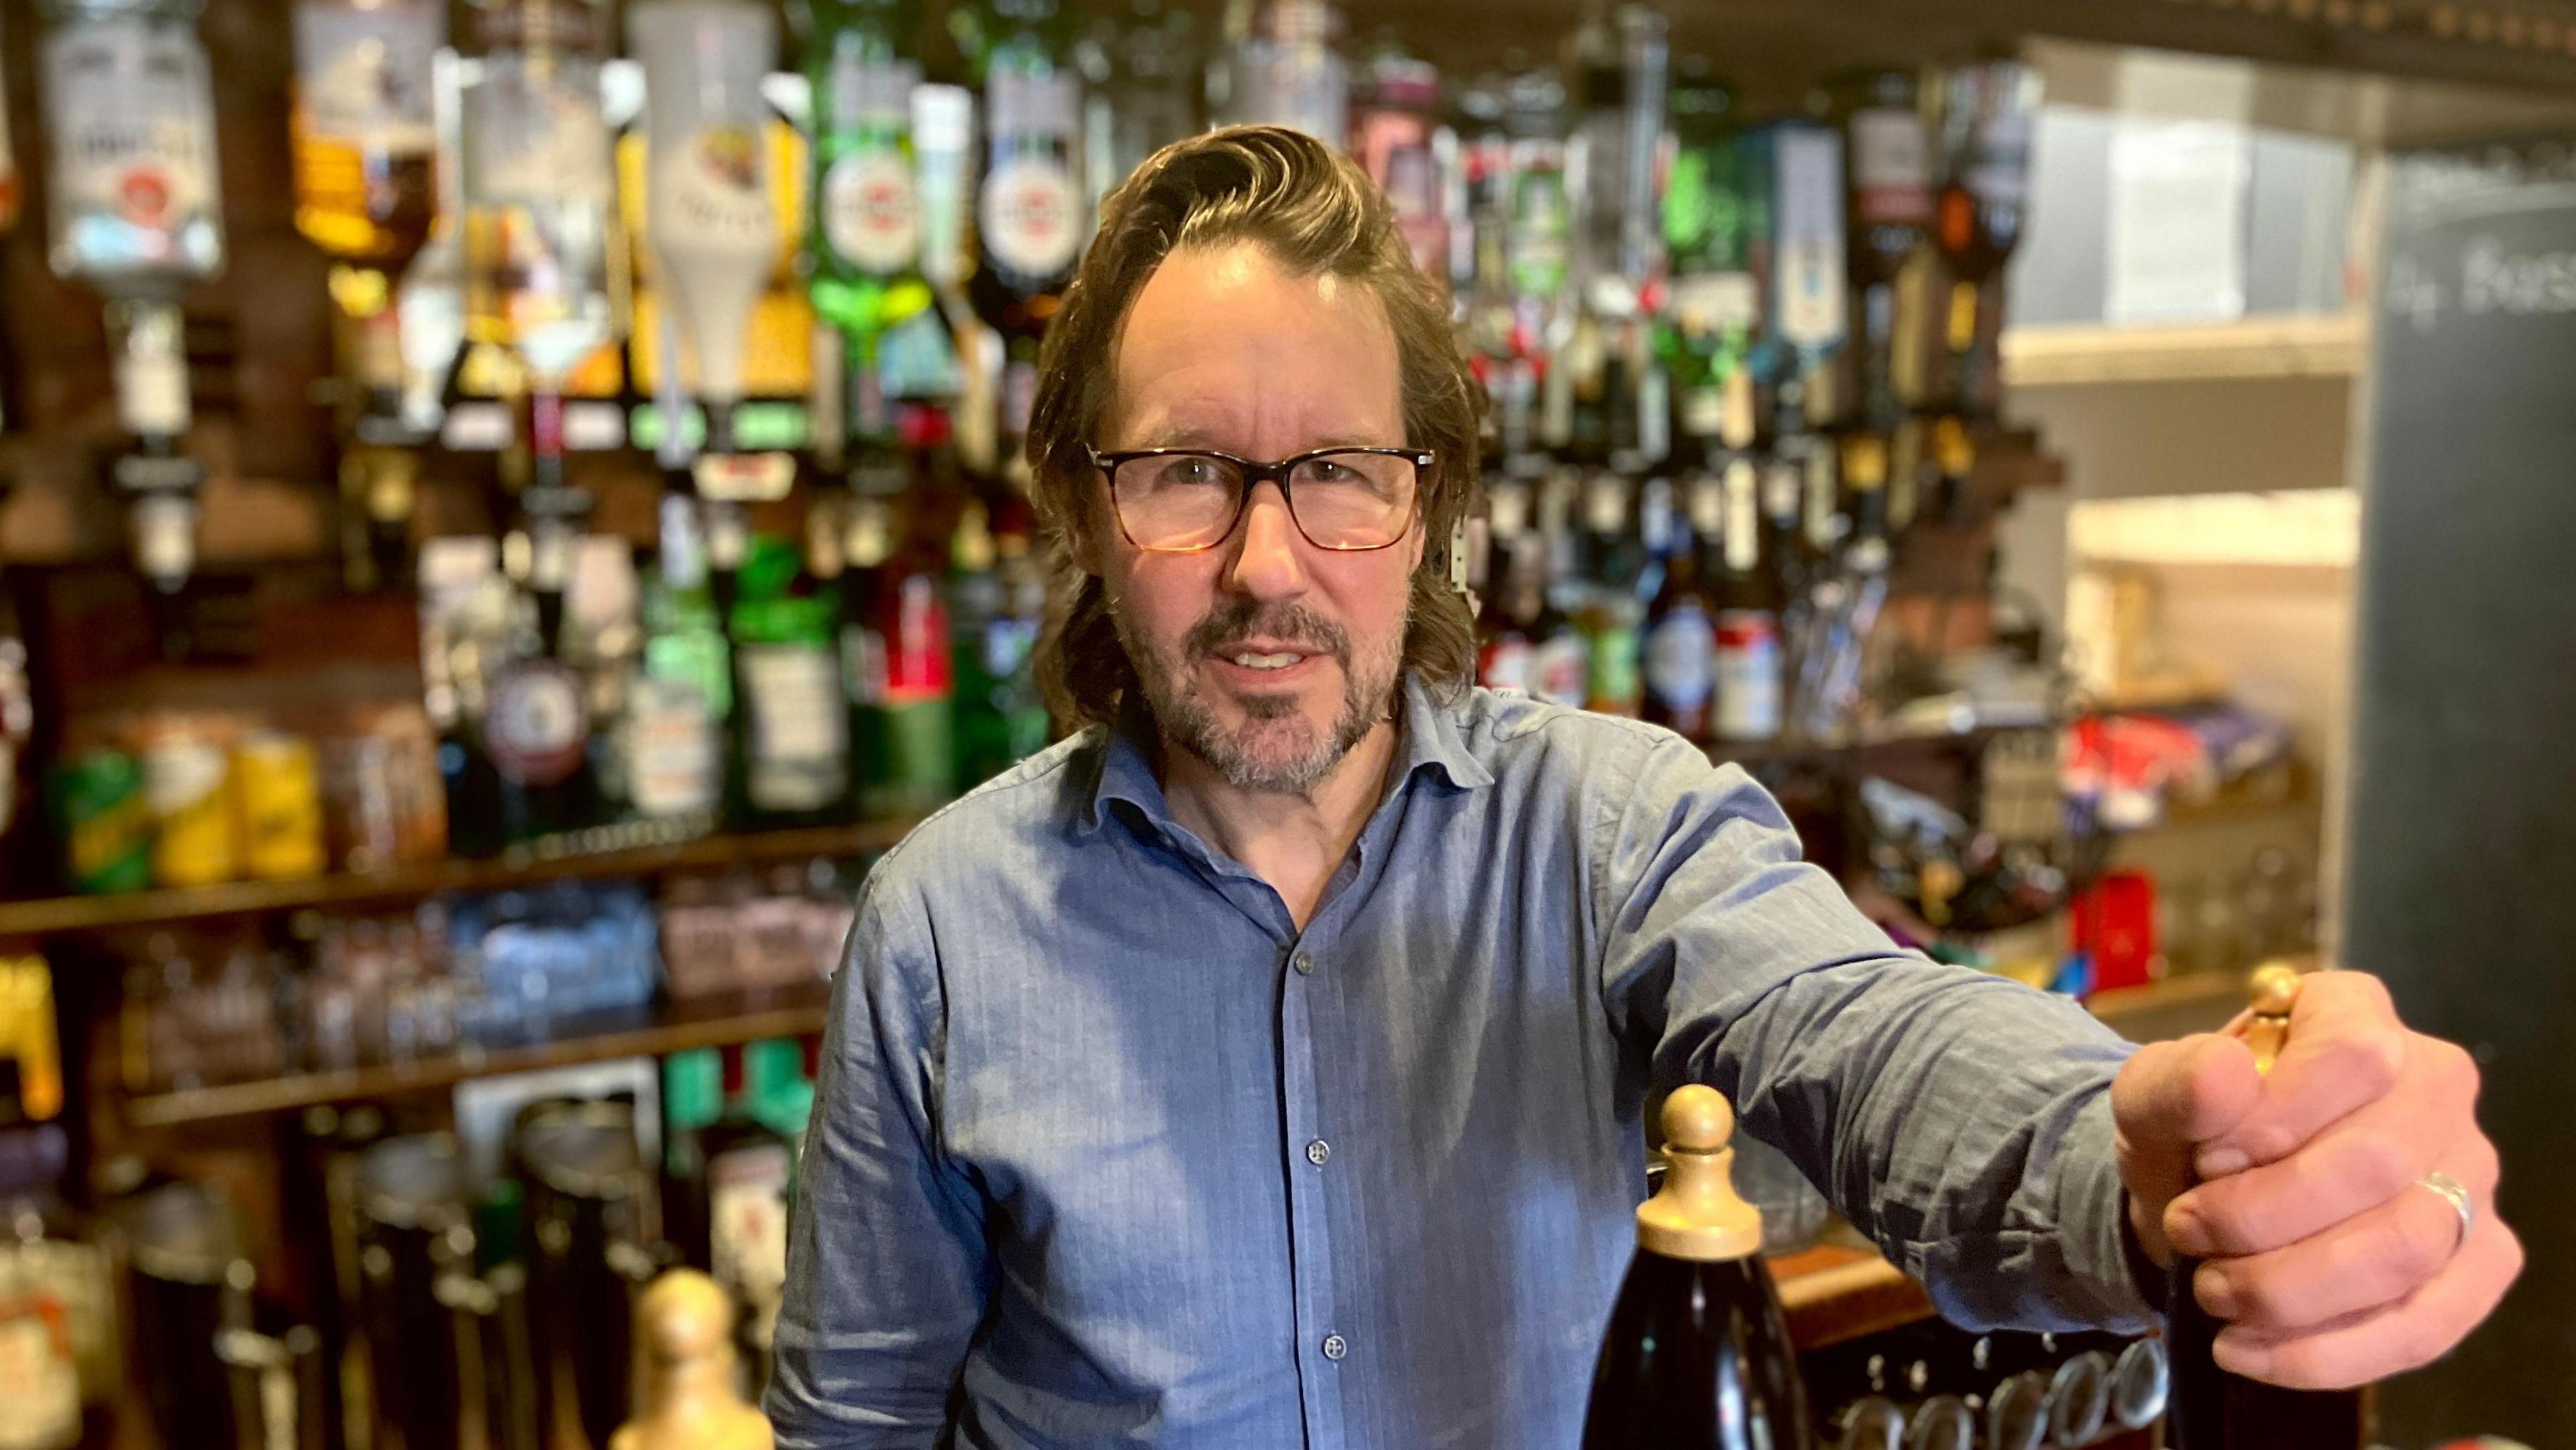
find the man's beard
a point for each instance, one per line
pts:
(1298, 758)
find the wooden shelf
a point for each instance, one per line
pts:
(654, 1030)
(2289, 345)
(62, 915)
(1842, 1291)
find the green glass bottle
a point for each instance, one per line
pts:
(1713, 221)
(1031, 215)
(864, 247)
(787, 660)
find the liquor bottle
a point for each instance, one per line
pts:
(1284, 71)
(1749, 706)
(1560, 651)
(1509, 587)
(19, 847)
(1805, 315)
(867, 543)
(365, 139)
(1394, 137)
(915, 769)
(1889, 208)
(1156, 92)
(2210, 1409)
(1696, 1353)
(1986, 112)
(539, 207)
(1681, 624)
(59, 1314)
(536, 720)
(864, 250)
(1621, 63)
(787, 662)
(1607, 607)
(998, 601)
(726, 1180)
(1030, 220)
(709, 219)
(683, 701)
(1713, 221)
(9, 206)
(136, 212)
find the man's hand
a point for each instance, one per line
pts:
(2328, 1262)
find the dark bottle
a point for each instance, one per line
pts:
(536, 726)
(1031, 215)
(2210, 1409)
(1889, 213)
(726, 1180)
(1983, 144)
(1697, 1355)
(1750, 597)
(1680, 649)
(787, 661)
(18, 849)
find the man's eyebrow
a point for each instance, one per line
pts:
(1184, 435)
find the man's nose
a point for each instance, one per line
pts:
(1266, 565)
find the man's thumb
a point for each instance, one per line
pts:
(2175, 1095)
(2170, 1098)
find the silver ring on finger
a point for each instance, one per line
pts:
(2450, 1191)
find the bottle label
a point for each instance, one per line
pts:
(1540, 239)
(132, 114)
(671, 749)
(1030, 213)
(40, 1399)
(918, 670)
(799, 728)
(1748, 675)
(747, 1222)
(1891, 165)
(1561, 669)
(364, 73)
(710, 198)
(1810, 257)
(1707, 303)
(871, 217)
(1616, 687)
(1505, 664)
(1681, 664)
(536, 725)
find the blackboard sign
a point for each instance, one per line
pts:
(2462, 889)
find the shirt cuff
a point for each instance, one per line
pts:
(2093, 1226)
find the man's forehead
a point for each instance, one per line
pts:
(1219, 340)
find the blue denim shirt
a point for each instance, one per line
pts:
(1108, 1153)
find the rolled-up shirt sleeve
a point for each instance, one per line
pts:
(888, 1271)
(1961, 1120)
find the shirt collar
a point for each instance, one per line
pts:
(1431, 741)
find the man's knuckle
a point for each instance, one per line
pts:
(2373, 1061)
(2377, 1165)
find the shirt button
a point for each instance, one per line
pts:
(1305, 964)
(1335, 1346)
(1318, 1152)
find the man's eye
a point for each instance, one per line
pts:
(1325, 470)
(1188, 472)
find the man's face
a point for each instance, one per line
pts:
(1264, 656)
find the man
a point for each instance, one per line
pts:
(1262, 1066)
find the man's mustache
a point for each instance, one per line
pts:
(1290, 623)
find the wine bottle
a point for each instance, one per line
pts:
(1889, 213)
(1697, 1353)
(2211, 1409)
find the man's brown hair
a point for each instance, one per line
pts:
(1316, 213)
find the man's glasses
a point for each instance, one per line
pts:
(1179, 500)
